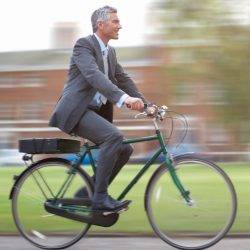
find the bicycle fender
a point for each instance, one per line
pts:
(17, 179)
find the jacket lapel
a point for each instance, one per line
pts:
(99, 57)
(98, 53)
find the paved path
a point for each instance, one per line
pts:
(122, 243)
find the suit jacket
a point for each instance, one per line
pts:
(86, 77)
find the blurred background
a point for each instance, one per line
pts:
(190, 55)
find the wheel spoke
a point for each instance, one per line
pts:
(37, 186)
(46, 184)
(197, 226)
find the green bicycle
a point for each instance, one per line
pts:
(190, 202)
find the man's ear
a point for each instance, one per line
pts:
(100, 25)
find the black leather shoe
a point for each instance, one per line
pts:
(117, 202)
(109, 205)
(113, 200)
(83, 193)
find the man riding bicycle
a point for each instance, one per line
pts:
(96, 81)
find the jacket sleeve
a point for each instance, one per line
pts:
(127, 84)
(83, 56)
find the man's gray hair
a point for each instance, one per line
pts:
(101, 14)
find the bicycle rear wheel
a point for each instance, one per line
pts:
(39, 183)
(205, 222)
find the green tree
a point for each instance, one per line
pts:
(219, 55)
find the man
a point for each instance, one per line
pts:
(96, 81)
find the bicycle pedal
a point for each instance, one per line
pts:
(107, 213)
(118, 211)
(123, 210)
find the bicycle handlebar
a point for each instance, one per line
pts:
(153, 111)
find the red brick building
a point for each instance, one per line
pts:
(31, 82)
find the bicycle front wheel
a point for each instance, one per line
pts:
(41, 182)
(196, 226)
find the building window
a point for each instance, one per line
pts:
(5, 140)
(29, 81)
(31, 111)
(6, 111)
(218, 135)
(23, 111)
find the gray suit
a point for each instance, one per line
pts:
(86, 77)
(72, 113)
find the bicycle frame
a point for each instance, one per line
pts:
(86, 150)
(69, 196)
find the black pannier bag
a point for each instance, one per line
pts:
(49, 146)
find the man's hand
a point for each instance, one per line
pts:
(134, 103)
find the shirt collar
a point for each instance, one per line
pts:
(102, 45)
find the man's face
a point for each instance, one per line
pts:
(110, 28)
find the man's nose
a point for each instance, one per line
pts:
(119, 27)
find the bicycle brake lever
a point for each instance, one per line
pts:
(141, 114)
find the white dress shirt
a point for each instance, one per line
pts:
(99, 99)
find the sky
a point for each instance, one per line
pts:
(27, 24)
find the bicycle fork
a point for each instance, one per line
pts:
(169, 164)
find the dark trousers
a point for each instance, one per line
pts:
(113, 155)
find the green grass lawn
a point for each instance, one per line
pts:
(135, 219)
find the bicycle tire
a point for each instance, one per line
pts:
(178, 231)
(16, 194)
